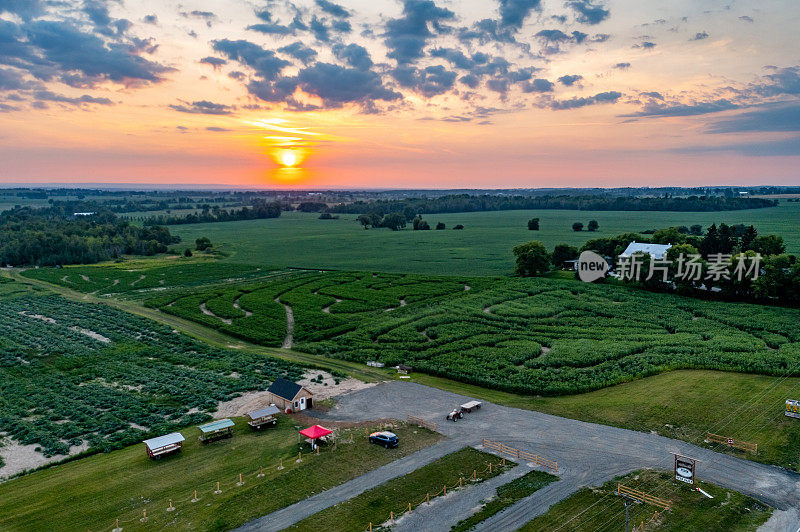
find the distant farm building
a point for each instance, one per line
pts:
(289, 396)
(263, 417)
(164, 445)
(657, 251)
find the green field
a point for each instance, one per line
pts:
(90, 494)
(600, 509)
(482, 248)
(374, 505)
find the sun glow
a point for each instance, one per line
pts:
(289, 158)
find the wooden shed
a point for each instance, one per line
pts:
(164, 445)
(289, 396)
(263, 417)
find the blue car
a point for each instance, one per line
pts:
(387, 439)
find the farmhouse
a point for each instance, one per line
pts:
(657, 251)
(289, 396)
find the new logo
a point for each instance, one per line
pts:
(591, 266)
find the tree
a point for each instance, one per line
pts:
(365, 220)
(440, 226)
(593, 225)
(696, 230)
(563, 252)
(187, 252)
(394, 221)
(459, 226)
(670, 235)
(533, 224)
(532, 259)
(577, 226)
(421, 225)
(202, 243)
(769, 245)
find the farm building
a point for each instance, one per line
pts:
(289, 396)
(164, 445)
(263, 417)
(221, 428)
(657, 251)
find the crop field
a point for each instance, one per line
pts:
(539, 336)
(79, 374)
(482, 248)
(146, 276)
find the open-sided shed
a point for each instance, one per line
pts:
(263, 417)
(222, 428)
(164, 445)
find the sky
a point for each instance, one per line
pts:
(400, 94)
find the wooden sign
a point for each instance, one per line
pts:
(684, 469)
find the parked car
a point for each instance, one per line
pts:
(387, 439)
(455, 415)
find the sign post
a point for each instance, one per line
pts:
(684, 468)
(792, 408)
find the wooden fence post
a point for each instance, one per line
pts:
(445, 489)
(241, 482)
(195, 499)
(459, 482)
(409, 507)
(428, 497)
(218, 490)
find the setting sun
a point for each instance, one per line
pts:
(289, 158)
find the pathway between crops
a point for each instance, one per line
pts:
(587, 454)
(287, 341)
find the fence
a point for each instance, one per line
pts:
(408, 508)
(643, 497)
(421, 422)
(521, 455)
(737, 444)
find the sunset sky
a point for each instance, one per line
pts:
(391, 94)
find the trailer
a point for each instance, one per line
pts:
(216, 430)
(470, 406)
(164, 445)
(264, 417)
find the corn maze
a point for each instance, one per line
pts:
(538, 336)
(78, 373)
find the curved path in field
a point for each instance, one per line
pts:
(587, 454)
(287, 341)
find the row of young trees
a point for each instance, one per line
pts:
(48, 237)
(259, 210)
(396, 221)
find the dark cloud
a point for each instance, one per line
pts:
(699, 36)
(487, 31)
(203, 107)
(745, 18)
(653, 108)
(354, 55)
(217, 129)
(470, 80)
(271, 28)
(574, 103)
(332, 9)
(25, 9)
(207, 16)
(783, 81)
(150, 19)
(647, 45)
(6, 108)
(337, 85)
(11, 80)
(570, 79)
(454, 56)
(653, 94)
(553, 35)
(775, 117)
(215, 62)
(589, 13)
(407, 35)
(538, 85)
(622, 66)
(265, 63)
(429, 81)
(601, 37)
(49, 96)
(514, 12)
(300, 51)
(237, 75)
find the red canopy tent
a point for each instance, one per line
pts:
(314, 433)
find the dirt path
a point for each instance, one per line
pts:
(247, 313)
(327, 310)
(207, 312)
(287, 341)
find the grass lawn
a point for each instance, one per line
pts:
(482, 248)
(91, 493)
(601, 509)
(507, 494)
(373, 506)
(682, 404)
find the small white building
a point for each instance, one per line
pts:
(657, 251)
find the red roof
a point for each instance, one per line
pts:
(315, 432)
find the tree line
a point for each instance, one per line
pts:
(48, 236)
(259, 210)
(486, 202)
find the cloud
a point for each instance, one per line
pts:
(25, 9)
(271, 28)
(332, 9)
(150, 19)
(49, 96)
(217, 129)
(589, 13)
(570, 79)
(745, 18)
(208, 16)
(647, 45)
(337, 85)
(514, 12)
(454, 56)
(406, 36)
(5, 108)
(300, 51)
(683, 109)
(789, 147)
(699, 36)
(354, 55)
(203, 107)
(11, 80)
(264, 62)
(538, 85)
(622, 66)
(574, 103)
(653, 94)
(784, 81)
(769, 118)
(429, 81)
(215, 62)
